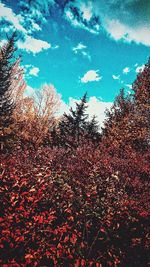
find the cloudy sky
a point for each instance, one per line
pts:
(96, 46)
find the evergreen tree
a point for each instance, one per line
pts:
(92, 130)
(6, 101)
(72, 126)
(75, 128)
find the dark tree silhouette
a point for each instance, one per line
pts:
(6, 101)
(72, 126)
(92, 130)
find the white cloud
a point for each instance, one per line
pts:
(95, 107)
(86, 54)
(32, 26)
(127, 20)
(35, 12)
(8, 15)
(126, 70)
(91, 76)
(34, 71)
(69, 15)
(79, 46)
(28, 22)
(76, 22)
(129, 86)
(36, 26)
(119, 31)
(116, 77)
(139, 68)
(81, 49)
(55, 47)
(86, 9)
(38, 7)
(33, 45)
(115, 29)
(30, 44)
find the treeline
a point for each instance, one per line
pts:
(72, 195)
(31, 121)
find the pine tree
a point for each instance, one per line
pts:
(6, 102)
(92, 130)
(72, 126)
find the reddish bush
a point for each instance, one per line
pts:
(73, 213)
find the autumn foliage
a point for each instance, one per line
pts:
(81, 203)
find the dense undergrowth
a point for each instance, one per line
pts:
(73, 208)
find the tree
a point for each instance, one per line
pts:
(35, 115)
(7, 104)
(128, 122)
(92, 130)
(117, 124)
(140, 132)
(75, 128)
(72, 126)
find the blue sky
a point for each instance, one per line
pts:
(94, 46)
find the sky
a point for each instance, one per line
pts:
(80, 46)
